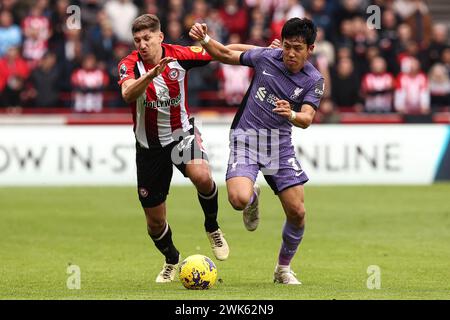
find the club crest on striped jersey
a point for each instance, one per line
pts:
(173, 74)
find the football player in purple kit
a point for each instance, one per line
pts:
(285, 91)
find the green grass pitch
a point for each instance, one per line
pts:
(404, 230)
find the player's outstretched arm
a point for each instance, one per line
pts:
(132, 88)
(245, 47)
(240, 47)
(302, 119)
(216, 49)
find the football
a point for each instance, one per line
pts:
(197, 272)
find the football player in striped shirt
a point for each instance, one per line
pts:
(153, 80)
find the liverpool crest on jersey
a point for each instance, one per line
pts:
(296, 93)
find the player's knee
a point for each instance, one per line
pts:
(238, 201)
(202, 180)
(155, 226)
(296, 215)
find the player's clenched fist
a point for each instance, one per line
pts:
(276, 43)
(198, 31)
(283, 108)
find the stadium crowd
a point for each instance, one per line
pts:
(401, 66)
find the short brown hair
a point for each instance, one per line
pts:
(146, 21)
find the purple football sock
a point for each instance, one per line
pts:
(292, 236)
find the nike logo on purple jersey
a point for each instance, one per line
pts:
(267, 74)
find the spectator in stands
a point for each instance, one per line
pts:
(175, 34)
(37, 31)
(365, 41)
(89, 12)
(234, 18)
(420, 22)
(215, 26)
(88, 83)
(439, 41)
(58, 19)
(115, 100)
(404, 36)
(44, 7)
(69, 53)
(198, 13)
(344, 52)
(103, 45)
(345, 86)
(260, 20)
(276, 27)
(44, 83)
(377, 87)
(176, 12)
(122, 14)
(14, 7)
(439, 84)
(388, 39)
(326, 112)
(10, 33)
(285, 10)
(256, 37)
(412, 95)
(445, 58)
(324, 48)
(265, 6)
(177, 6)
(345, 37)
(413, 50)
(14, 71)
(94, 32)
(321, 16)
(371, 53)
(404, 8)
(151, 7)
(234, 79)
(205, 78)
(348, 10)
(407, 47)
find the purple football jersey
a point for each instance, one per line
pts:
(272, 81)
(261, 139)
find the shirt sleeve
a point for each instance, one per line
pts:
(250, 58)
(315, 94)
(126, 70)
(192, 57)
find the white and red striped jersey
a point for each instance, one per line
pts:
(163, 108)
(37, 30)
(37, 24)
(89, 80)
(378, 90)
(235, 82)
(88, 86)
(412, 94)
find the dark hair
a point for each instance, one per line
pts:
(146, 21)
(300, 28)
